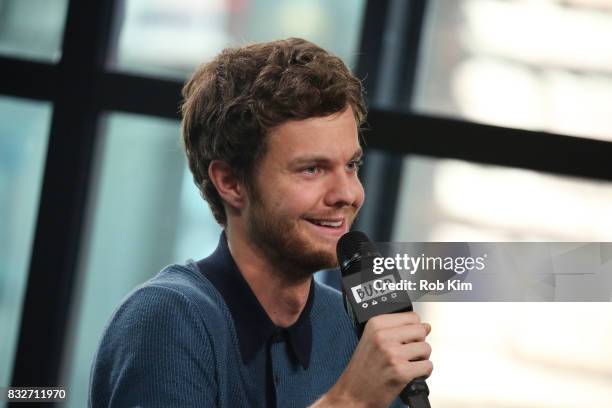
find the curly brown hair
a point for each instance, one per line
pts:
(233, 101)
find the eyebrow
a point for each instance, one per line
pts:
(322, 159)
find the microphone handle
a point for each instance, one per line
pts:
(415, 394)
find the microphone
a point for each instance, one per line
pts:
(363, 299)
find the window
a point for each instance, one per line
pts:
(32, 29)
(527, 343)
(537, 65)
(24, 126)
(526, 64)
(520, 354)
(144, 213)
(453, 200)
(170, 37)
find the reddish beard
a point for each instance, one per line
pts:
(282, 241)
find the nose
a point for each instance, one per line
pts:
(344, 190)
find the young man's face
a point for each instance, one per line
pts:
(307, 192)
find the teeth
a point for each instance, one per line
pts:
(334, 224)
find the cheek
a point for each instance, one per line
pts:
(359, 194)
(300, 198)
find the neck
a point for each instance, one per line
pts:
(283, 299)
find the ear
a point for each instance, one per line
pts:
(229, 187)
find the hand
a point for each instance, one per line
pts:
(391, 353)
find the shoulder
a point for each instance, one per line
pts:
(177, 299)
(184, 280)
(181, 283)
(158, 336)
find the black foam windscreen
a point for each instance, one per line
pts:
(353, 246)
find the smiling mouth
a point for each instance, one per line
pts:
(329, 223)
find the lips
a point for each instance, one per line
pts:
(329, 226)
(337, 223)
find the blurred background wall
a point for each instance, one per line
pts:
(501, 131)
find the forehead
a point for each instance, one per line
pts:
(334, 137)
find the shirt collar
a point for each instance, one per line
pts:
(253, 326)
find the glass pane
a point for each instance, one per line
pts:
(539, 65)
(526, 354)
(144, 213)
(172, 37)
(24, 126)
(32, 29)
(517, 343)
(452, 200)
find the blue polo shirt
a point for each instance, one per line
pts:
(258, 336)
(196, 336)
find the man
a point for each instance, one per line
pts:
(271, 135)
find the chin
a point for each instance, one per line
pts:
(324, 256)
(321, 248)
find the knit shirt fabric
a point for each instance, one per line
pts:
(173, 343)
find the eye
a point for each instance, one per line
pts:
(311, 170)
(354, 165)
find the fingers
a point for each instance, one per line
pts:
(406, 372)
(386, 321)
(416, 369)
(399, 340)
(405, 334)
(414, 351)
